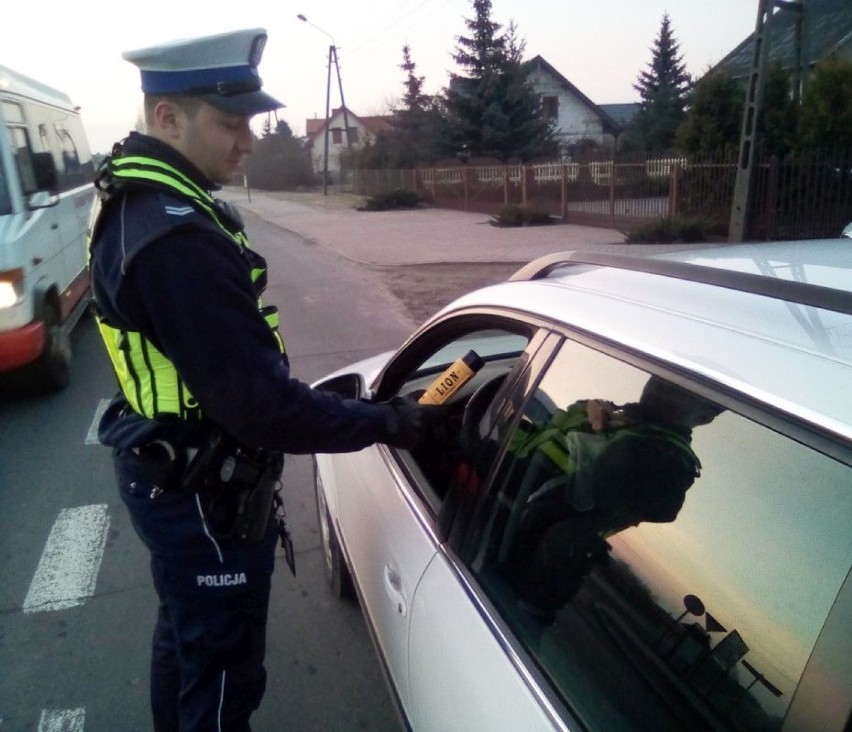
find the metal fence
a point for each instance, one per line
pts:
(792, 198)
(803, 198)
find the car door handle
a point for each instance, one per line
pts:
(393, 587)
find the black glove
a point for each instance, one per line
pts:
(411, 425)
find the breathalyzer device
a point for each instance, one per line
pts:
(456, 376)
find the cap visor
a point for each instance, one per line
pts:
(243, 105)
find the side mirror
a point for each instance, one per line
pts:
(46, 175)
(348, 386)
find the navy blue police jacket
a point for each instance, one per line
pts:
(188, 289)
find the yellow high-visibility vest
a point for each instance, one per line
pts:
(146, 377)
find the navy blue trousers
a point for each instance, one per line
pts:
(207, 669)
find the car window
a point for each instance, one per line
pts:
(499, 349)
(668, 564)
(502, 347)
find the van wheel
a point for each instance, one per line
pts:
(52, 369)
(334, 565)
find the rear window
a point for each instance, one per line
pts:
(668, 564)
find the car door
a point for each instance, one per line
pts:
(465, 669)
(387, 501)
(389, 543)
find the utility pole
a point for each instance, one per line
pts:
(744, 185)
(332, 59)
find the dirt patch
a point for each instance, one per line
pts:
(426, 288)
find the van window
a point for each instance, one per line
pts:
(22, 153)
(52, 130)
(61, 134)
(5, 195)
(667, 563)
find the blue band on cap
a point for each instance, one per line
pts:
(181, 82)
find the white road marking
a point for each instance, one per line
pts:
(68, 568)
(92, 434)
(62, 720)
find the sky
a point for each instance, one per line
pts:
(600, 47)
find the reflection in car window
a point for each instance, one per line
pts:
(669, 564)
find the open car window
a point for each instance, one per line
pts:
(502, 345)
(499, 350)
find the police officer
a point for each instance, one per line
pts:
(207, 405)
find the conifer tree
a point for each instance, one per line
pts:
(415, 130)
(417, 124)
(492, 110)
(663, 89)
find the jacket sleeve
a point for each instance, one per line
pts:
(191, 294)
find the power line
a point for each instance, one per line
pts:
(373, 37)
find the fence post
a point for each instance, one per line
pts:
(466, 185)
(612, 193)
(523, 185)
(505, 185)
(674, 189)
(564, 175)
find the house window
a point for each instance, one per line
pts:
(336, 135)
(353, 135)
(550, 107)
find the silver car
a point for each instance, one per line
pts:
(639, 517)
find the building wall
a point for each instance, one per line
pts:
(336, 148)
(575, 121)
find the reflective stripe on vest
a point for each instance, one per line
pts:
(148, 380)
(553, 439)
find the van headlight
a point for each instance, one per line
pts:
(11, 287)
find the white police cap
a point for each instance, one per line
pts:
(221, 69)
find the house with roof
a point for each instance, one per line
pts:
(576, 116)
(822, 29)
(362, 131)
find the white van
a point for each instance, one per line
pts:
(46, 170)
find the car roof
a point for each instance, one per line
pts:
(771, 321)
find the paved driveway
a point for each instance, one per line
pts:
(428, 256)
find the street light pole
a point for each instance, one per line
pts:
(332, 59)
(327, 123)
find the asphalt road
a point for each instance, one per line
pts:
(84, 666)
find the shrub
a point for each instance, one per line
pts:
(518, 215)
(668, 230)
(392, 200)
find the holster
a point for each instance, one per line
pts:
(238, 484)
